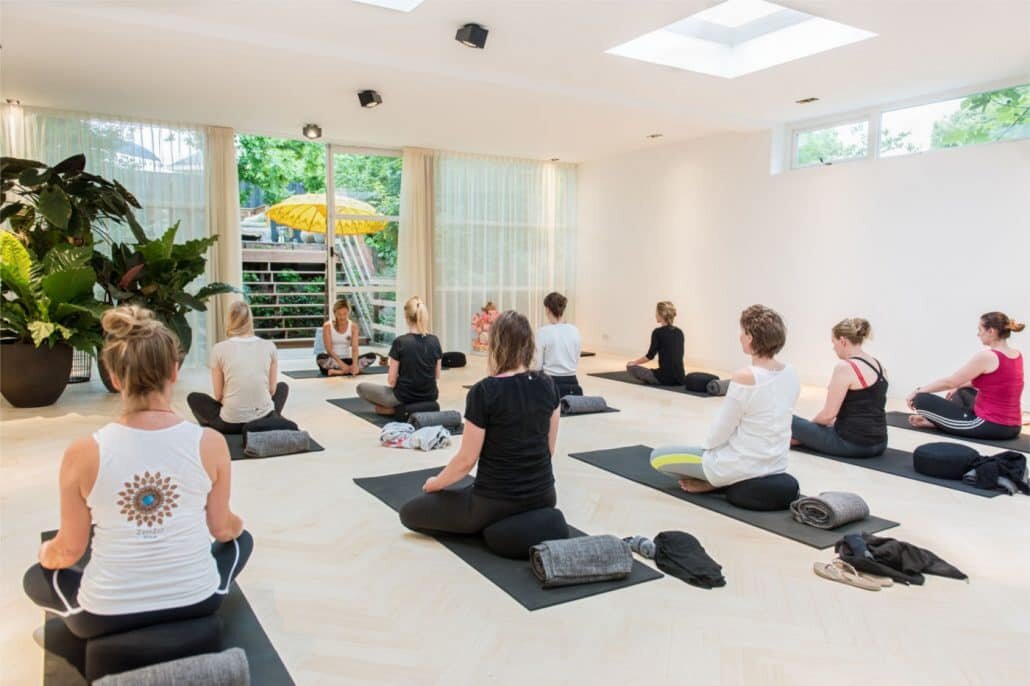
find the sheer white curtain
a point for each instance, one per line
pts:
(163, 164)
(504, 232)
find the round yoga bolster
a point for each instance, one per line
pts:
(402, 411)
(452, 360)
(514, 536)
(943, 460)
(697, 382)
(764, 493)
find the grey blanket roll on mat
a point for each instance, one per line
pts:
(227, 668)
(583, 404)
(718, 387)
(830, 509)
(273, 443)
(581, 560)
(447, 418)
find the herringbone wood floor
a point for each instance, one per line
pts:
(348, 597)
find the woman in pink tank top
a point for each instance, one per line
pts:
(983, 399)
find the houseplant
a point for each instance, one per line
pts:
(46, 309)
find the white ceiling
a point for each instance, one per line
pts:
(543, 87)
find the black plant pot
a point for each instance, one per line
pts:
(104, 376)
(31, 376)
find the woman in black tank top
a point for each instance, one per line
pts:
(853, 421)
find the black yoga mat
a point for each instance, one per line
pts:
(1020, 443)
(899, 463)
(235, 442)
(514, 577)
(317, 373)
(64, 655)
(360, 407)
(626, 377)
(633, 462)
(588, 414)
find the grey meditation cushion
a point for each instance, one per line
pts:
(274, 443)
(943, 460)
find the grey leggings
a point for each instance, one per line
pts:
(644, 374)
(377, 394)
(826, 440)
(207, 410)
(680, 461)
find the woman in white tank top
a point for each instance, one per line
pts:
(155, 489)
(339, 351)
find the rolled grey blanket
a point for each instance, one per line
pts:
(228, 668)
(450, 419)
(581, 560)
(583, 404)
(718, 387)
(830, 509)
(272, 443)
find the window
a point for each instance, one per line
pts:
(981, 118)
(831, 144)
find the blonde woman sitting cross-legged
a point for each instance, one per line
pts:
(751, 434)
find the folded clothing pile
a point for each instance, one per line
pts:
(404, 435)
(581, 560)
(276, 442)
(447, 418)
(890, 557)
(830, 509)
(681, 555)
(583, 404)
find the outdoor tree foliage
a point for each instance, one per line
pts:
(986, 117)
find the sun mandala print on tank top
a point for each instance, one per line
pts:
(148, 499)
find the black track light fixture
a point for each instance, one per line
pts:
(369, 99)
(312, 131)
(472, 35)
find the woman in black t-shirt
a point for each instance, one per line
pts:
(511, 425)
(667, 344)
(414, 365)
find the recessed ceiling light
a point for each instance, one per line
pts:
(399, 5)
(805, 101)
(312, 131)
(739, 37)
(556, 159)
(369, 99)
(472, 35)
(655, 135)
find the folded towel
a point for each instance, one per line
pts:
(396, 435)
(279, 442)
(449, 418)
(430, 438)
(581, 560)
(583, 404)
(697, 382)
(830, 510)
(718, 386)
(228, 668)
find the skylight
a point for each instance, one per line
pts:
(399, 5)
(739, 37)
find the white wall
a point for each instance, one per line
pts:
(919, 245)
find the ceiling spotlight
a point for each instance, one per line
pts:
(652, 136)
(312, 131)
(472, 35)
(805, 101)
(369, 99)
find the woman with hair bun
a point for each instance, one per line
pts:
(415, 365)
(154, 489)
(853, 421)
(983, 396)
(667, 344)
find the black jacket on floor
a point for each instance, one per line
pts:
(679, 554)
(1009, 464)
(900, 561)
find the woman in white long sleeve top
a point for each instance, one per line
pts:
(751, 434)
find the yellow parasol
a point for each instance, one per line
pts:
(308, 212)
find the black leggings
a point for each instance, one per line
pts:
(41, 586)
(325, 362)
(461, 511)
(567, 385)
(208, 411)
(956, 416)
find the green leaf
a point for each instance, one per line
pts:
(214, 288)
(66, 286)
(10, 209)
(66, 256)
(34, 176)
(41, 331)
(11, 167)
(16, 257)
(181, 328)
(93, 308)
(54, 205)
(186, 300)
(73, 165)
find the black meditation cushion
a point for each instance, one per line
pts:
(697, 382)
(515, 535)
(452, 359)
(943, 460)
(402, 411)
(773, 492)
(149, 645)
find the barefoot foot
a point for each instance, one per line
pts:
(919, 421)
(696, 486)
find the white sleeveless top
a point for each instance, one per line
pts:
(151, 548)
(341, 341)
